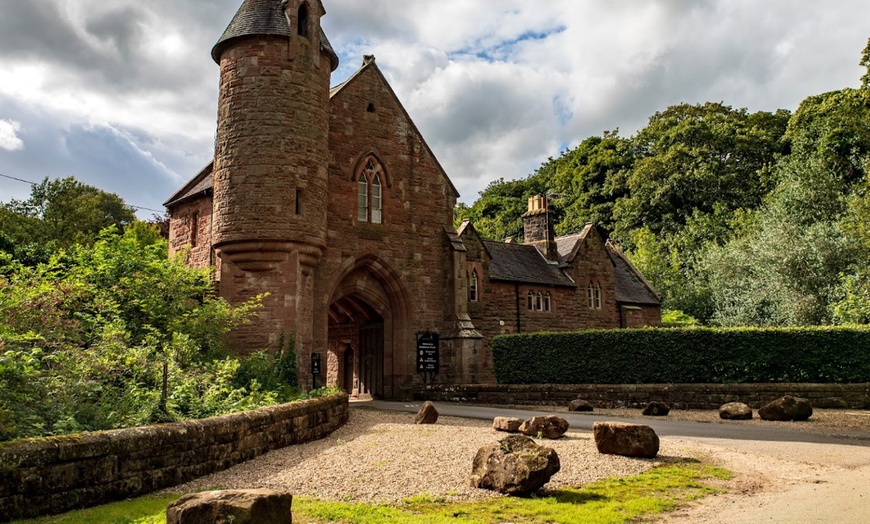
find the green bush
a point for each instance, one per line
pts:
(696, 355)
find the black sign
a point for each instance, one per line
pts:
(427, 352)
(315, 363)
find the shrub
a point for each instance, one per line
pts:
(696, 355)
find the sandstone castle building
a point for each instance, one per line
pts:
(330, 200)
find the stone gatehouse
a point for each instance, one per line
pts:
(330, 200)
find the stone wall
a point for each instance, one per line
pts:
(57, 474)
(190, 228)
(679, 396)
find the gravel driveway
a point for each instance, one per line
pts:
(383, 456)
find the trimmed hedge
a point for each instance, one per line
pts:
(688, 356)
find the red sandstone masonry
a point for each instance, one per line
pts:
(57, 474)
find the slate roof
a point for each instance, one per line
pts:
(525, 264)
(631, 287)
(201, 184)
(566, 245)
(263, 17)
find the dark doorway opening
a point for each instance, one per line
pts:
(371, 360)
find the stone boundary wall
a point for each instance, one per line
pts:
(678, 396)
(56, 474)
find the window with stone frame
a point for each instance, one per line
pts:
(473, 287)
(531, 301)
(548, 305)
(597, 296)
(370, 193)
(590, 295)
(539, 301)
(302, 20)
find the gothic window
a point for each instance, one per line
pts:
(302, 21)
(539, 301)
(363, 199)
(531, 301)
(590, 295)
(370, 193)
(597, 296)
(547, 304)
(472, 287)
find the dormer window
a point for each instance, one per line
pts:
(370, 193)
(302, 21)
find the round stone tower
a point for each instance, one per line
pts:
(271, 162)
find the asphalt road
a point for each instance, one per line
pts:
(662, 427)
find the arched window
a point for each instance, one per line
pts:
(597, 296)
(370, 193)
(591, 296)
(363, 199)
(531, 301)
(472, 287)
(302, 20)
(547, 304)
(539, 301)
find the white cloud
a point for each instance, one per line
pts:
(9, 136)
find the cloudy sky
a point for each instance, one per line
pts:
(122, 94)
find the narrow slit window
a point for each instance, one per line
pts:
(302, 21)
(472, 287)
(597, 296)
(547, 302)
(531, 301)
(591, 296)
(539, 301)
(194, 229)
(377, 203)
(298, 201)
(363, 199)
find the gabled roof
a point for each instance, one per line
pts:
(524, 264)
(631, 286)
(262, 18)
(567, 246)
(369, 63)
(201, 184)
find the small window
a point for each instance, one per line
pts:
(531, 301)
(371, 107)
(194, 229)
(547, 303)
(376, 200)
(591, 296)
(472, 287)
(298, 201)
(363, 199)
(597, 296)
(539, 301)
(302, 21)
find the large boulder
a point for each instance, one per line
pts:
(256, 506)
(515, 465)
(735, 411)
(656, 409)
(507, 424)
(629, 440)
(580, 405)
(549, 427)
(427, 414)
(787, 408)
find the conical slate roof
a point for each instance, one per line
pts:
(259, 18)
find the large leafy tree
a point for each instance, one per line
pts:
(63, 212)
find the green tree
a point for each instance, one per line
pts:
(63, 212)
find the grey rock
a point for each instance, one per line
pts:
(735, 411)
(787, 408)
(656, 409)
(549, 427)
(507, 424)
(515, 465)
(580, 405)
(256, 506)
(427, 414)
(629, 440)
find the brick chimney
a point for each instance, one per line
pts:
(538, 228)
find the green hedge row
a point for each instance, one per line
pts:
(689, 356)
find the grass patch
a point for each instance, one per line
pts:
(611, 501)
(144, 510)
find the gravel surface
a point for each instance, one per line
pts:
(384, 457)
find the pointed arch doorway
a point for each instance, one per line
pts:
(367, 323)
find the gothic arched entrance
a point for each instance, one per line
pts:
(367, 321)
